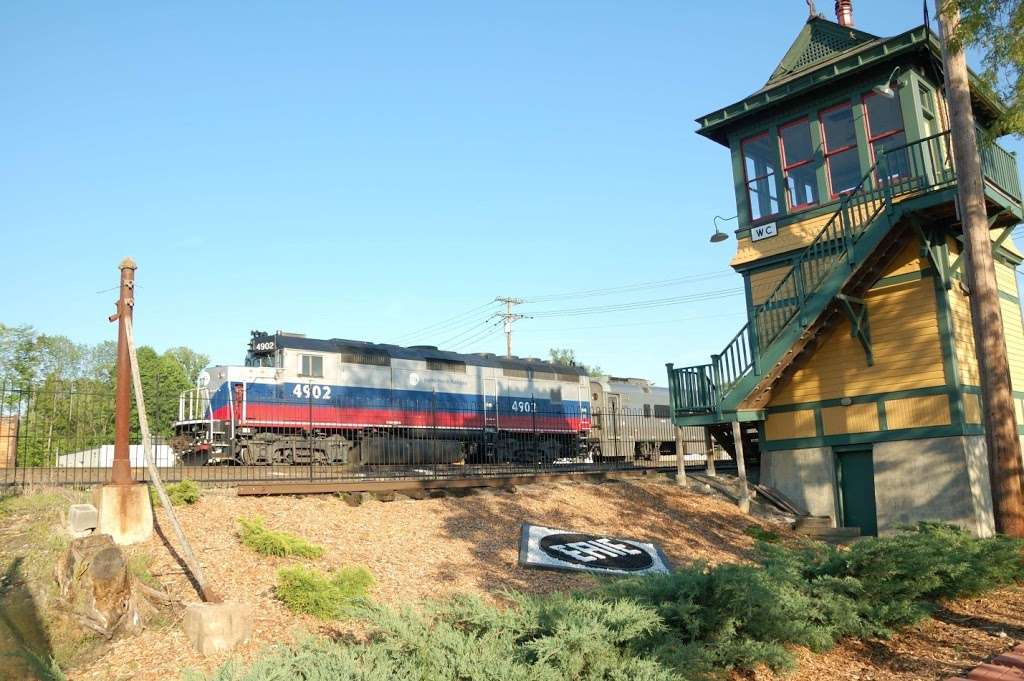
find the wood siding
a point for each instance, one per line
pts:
(917, 412)
(790, 424)
(763, 282)
(856, 418)
(906, 344)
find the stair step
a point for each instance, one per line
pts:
(812, 521)
(836, 532)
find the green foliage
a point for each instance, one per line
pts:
(184, 493)
(761, 534)
(690, 625)
(324, 596)
(994, 28)
(63, 391)
(261, 539)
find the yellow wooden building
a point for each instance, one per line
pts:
(855, 378)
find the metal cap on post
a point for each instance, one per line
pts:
(121, 473)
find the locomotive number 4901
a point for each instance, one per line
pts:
(520, 405)
(317, 392)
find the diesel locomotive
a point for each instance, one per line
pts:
(300, 400)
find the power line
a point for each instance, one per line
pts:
(629, 288)
(507, 318)
(640, 304)
(628, 324)
(452, 322)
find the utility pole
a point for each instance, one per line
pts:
(121, 471)
(1004, 453)
(508, 317)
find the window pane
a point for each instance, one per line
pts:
(796, 142)
(802, 184)
(844, 171)
(758, 156)
(899, 161)
(883, 114)
(764, 200)
(839, 131)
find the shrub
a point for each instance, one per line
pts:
(324, 596)
(686, 626)
(184, 493)
(273, 543)
(761, 534)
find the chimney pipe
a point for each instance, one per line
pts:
(844, 13)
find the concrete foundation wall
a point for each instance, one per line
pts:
(806, 476)
(943, 479)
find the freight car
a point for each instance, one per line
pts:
(299, 400)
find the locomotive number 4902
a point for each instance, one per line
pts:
(317, 392)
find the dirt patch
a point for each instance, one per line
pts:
(959, 636)
(414, 549)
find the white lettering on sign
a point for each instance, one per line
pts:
(763, 231)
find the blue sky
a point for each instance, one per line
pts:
(366, 170)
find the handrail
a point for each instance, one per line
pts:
(916, 167)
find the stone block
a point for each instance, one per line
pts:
(82, 519)
(124, 512)
(217, 627)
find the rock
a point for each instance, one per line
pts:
(217, 627)
(96, 585)
(82, 519)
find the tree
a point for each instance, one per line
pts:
(191, 362)
(19, 354)
(567, 358)
(995, 27)
(990, 343)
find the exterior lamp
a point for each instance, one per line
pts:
(889, 87)
(719, 236)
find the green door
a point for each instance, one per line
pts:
(856, 473)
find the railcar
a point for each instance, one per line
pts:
(631, 419)
(300, 400)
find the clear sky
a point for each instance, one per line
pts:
(364, 170)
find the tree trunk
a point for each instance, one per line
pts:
(99, 590)
(1004, 454)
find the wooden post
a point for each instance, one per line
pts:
(147, 446)
(741, 466)
(1004, 453)
(121, 471)
(680, 458)
(709, 452)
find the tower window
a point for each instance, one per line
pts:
(885, 134)
(760, 168)
(840, 141)
(798, 165)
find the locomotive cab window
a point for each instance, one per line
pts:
(312, 366)
(662, 411)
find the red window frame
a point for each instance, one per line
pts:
(882, 135)
(747, 180)
(786, 167)
(829, 153)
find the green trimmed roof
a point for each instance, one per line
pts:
(818, 41)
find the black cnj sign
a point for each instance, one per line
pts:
(544, 547)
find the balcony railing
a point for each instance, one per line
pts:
(922, 166)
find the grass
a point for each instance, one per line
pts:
(761, 534)
(184, 493)
(267, 542)
(695, 624)
(331, 596)
(32, 537)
